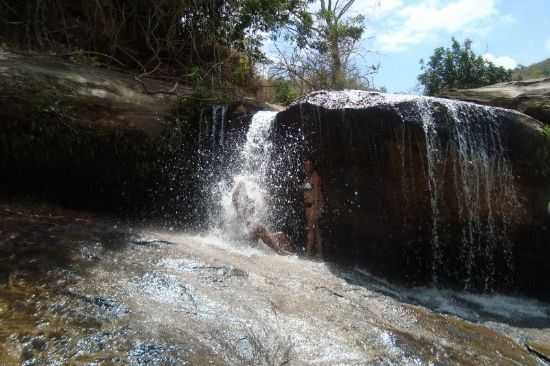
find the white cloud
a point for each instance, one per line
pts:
(548, 44)
(509, 19)
(505, 61)
(415, 23)
(376, 8)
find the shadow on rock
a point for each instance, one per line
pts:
(35, 240)
(475, 307)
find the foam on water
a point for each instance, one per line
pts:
(221, 239)
(387, 339)
(353, 99)
(360, 99)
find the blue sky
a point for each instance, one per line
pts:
(401, 32)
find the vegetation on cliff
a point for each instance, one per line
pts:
(207, 45)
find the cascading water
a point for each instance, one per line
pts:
(433, 155)
(467, 189)
(212, 130)
(419, 188)
(250, 173)
(484, 189)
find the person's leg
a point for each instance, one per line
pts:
(282, 240)
(261, 233)
(310, 232)
(317, 240)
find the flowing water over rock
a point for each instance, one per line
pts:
(117, 295)
(424, 190)
(248, 171)
(80, 289)
(484, 187)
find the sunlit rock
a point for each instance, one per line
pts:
(531, 97)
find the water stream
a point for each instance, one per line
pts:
(119, 295)
(462, 174)
(483, 188)
(249, 171)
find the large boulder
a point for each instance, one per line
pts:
(422, 189)
(85, 136)
(531, 97)
(99, 138)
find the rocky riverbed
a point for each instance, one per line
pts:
(80, 289)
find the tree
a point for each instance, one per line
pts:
(337, 36)
(325, 42)
(459, 67)
(201, 38)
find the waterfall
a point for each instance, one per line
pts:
(250, 171)
(222, 129)
(454, 168)
(433, 156)
(484, 189)
(211, 129)
(217, 123)
(426, 190)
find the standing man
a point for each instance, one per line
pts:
(313, 200)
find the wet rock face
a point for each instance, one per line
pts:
(90, 137)
(422, 189)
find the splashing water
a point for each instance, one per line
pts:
(249, 173)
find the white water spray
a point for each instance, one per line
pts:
(251, 174)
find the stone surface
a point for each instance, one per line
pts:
(378, 176)
(98, 138)
(540, 349)
(118, 98)
(203, 300)
(531, 97)
(84, 136)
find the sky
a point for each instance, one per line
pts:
(401, 32)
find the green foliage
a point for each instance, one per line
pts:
(546, 131)
(535, 71)
(459, 67)
(190, 39)
(285, 92)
